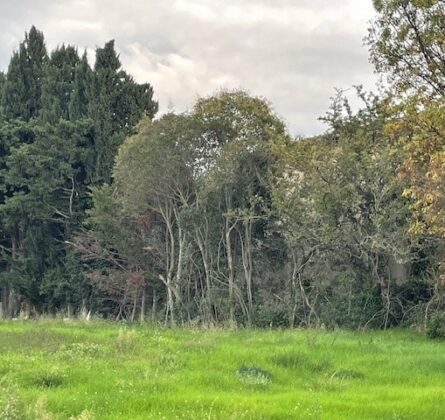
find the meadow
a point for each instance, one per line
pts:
(51, 369)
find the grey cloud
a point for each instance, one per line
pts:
(294, 52)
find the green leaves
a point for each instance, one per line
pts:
(407, 44)
(23, 88)
(61, 125)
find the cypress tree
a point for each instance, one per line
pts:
(2, 86)
(14, 91)
(23, 88)
(81, 90)
(118, 103)
(105, 81)
(62, 123)
(58, 83)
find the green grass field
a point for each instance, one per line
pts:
(57, 370)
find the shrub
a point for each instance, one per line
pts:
(270, 314)
(435, 328)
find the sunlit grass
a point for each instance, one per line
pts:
(116, 371)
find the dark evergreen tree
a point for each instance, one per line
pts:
(14, 90)
(2, 86)
(23, 87)
(81, 90)
(63, 123)
(43, 200)
(58, 83)
(117, 105)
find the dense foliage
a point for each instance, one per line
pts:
(217, 216)
(61, 123)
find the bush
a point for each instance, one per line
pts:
(351, 307)
(270, 314)
(435, 328)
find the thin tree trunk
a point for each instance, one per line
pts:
(4, 301)
(231, 277)
(181, 251)
(170, 265)
(306, 300)
(135, 304)
(143, 304)
(153, 306)
(246, 255)
(387, 296)
(207, 294)
(9, 292)
(293, 291)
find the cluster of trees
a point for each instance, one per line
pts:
(61, 123)
(218, 216)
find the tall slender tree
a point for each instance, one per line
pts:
(117, 104)
(58, 83)
(24, 79)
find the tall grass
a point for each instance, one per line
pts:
(55, 370)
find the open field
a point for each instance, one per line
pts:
(111, 371)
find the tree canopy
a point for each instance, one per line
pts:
(218, 215)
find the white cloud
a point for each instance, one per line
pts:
(294, 52)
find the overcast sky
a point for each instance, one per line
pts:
(293, 52)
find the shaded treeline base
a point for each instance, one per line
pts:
(217, 216)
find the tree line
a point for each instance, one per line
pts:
(61, 123)
(218, 216)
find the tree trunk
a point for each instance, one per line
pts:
(293, 291)
(170, 265)
(246, 255)
(153, 306)
(181, 251)
(135, 304)
(231, 276)
(10, 306)
(4, 301)
(143, 304)
(207, 295)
